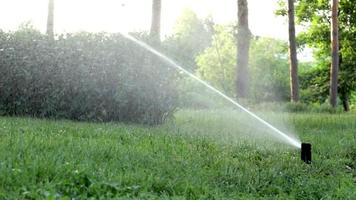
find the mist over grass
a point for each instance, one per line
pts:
(231, 126)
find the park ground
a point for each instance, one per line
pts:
(182, 159)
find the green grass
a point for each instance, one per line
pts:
(199, 155)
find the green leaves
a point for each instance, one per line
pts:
(268, 65)
(315, 15)
(83, 76)
(217, 63)
(191, 36)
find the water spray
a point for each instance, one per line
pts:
(305, 153)
(285, 137)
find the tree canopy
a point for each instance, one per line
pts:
(268, 65)
(315, 17)
(191, 36)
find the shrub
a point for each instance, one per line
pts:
(84, 76)
(297, 107)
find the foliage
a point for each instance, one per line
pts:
(42, 159)
(311, 108)
(190, 37)
(314, 85)
(353, 100)
(83, 76)
(269, 70)
(268, 66)
(315, 16)
(218, 62)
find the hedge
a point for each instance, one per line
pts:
(83, 76)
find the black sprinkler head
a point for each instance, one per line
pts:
(306, 153)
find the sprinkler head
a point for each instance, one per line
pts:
(306, 153)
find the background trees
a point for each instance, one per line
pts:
(316, 16)
(268, 66)
(205, 48)
(217, 63)
(191, 36)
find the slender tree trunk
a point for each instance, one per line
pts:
(334, 70)
(346, 102)
(50, 19)
(243, 47)
(293, 61)
(155, 32)
(344, 96)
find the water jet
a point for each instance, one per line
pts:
(306, 153)
(277, 133)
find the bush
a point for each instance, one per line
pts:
(84, 76)
(314, 85)
(297, 107)
(315, 108)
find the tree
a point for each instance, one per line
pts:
(342, 21)
(191, 36)
(50, 19)
(217, 63)
(334, 71)
(155, 32)
(293, 61)
(268, 66)
(315, 16)
(243, 46)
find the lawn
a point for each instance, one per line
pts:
(198, 155)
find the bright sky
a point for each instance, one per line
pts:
(134, 15)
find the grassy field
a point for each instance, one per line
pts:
(199, 155)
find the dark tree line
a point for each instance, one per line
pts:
(243, 45)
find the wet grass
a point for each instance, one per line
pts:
(184, 159)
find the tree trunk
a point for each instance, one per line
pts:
(334, 70)
(243, 46)
(50, 19)
(155, 32)
(346, 103)
(293, 61)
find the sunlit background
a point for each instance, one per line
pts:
(135, 15)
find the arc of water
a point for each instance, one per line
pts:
(284, 136)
